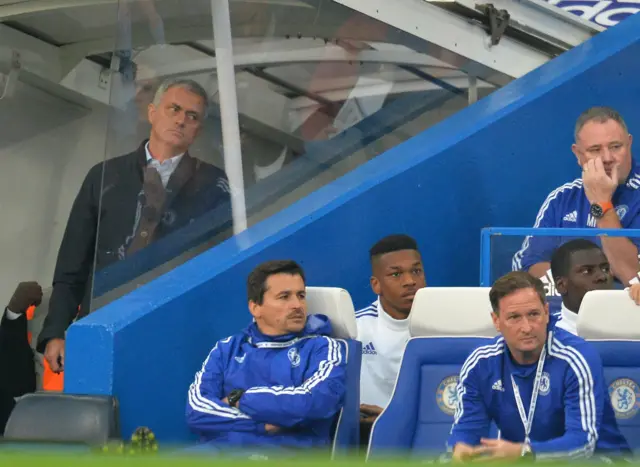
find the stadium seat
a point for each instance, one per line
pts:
(336, 303)
(452, 311)
(610, 320)
(47, 417)
(446, 325)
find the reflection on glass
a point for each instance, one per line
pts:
(311, 107)
(314, 103)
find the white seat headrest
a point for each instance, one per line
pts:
(609, 314)
(337, 305)
(451, 312)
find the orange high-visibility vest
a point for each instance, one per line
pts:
(52, 381)
(31, 311)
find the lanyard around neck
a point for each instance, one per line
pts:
(527, 421)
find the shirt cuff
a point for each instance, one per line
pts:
(11, 315)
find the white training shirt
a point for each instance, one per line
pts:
(383, 341)
(568, 321)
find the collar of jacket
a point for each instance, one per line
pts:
(141, 156)
(316, 325)
(184, 171)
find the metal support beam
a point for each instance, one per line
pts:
(20, 7)
(229, 111)
(278, 55)
(473, 90)
(11, 79)
(452, 39)
(542, 20)
(339, 94)
(16, 8)
(41, 65)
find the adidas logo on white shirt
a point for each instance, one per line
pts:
(497, 386)
(571, 217)
(369, 349)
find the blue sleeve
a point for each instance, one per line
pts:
(635, 224)
(584, 399)
(220, 203)
(206, 413)
(320, 396)
(471, 420)
(536, 248)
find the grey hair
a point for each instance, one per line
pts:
(600, 115)
(188, 84)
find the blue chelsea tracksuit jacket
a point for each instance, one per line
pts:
(573, 417)
(568, 207)
(296, 382)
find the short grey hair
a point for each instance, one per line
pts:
(188, 84)
(600, 115)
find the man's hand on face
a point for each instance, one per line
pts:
(598, 186)
(492, 449)
(371, 411)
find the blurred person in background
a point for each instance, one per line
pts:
(607, 196)
(17, 368)
(138, 198)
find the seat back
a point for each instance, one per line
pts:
(347, 430)
(337, 305)
(452, 311)
(419, 416)
(46, 417)
(608, 315)
(447, 324)
(610, 321)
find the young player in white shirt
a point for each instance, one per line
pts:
(383, 327)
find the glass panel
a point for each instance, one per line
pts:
(324, 101)
(518, 252)
(164, 189)
(503, 249)
(311, 107)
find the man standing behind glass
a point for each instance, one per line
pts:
(139, 198)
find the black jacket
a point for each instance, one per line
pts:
(120, 202)
(17, 369)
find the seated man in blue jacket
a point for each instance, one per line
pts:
(280, 382)
(542, 386)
